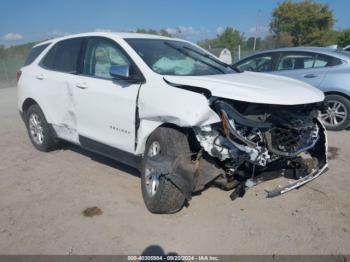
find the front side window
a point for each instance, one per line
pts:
(100, 55)
(170, 57)
(257, 64)
(64, 56)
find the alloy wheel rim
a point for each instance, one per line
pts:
(336, 113)
(152, 178)
(36, 129)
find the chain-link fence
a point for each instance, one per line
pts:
(8, 70)
(240, 55)
(10, 65)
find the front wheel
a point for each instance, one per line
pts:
(337, 116)
(159, 193)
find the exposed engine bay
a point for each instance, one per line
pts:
(258, 142)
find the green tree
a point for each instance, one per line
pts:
(344, 38)
(276, 41)
(329, 38)
(230, 38)
(206, 43)
(2, 51)
(146, 31)
(268, 42)
(250, 43)
(162, 32)
(283, 39)
(305, 21)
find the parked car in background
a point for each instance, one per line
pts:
(168, 107)
(325, 68)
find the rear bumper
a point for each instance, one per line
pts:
(281, 190)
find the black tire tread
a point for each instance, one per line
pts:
(169, 199)
(50, 142)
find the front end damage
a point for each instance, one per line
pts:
(258, 142)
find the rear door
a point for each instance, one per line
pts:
(105, 106)
(305, 66)
(54, 78)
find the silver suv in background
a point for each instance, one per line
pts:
(325, 68)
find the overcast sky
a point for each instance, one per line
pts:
(24, 21)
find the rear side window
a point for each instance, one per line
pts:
(291, 61)
(64, 56)
(34, 53)
(304, 60)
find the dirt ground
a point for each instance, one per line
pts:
(43, 197)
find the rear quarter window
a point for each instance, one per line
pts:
(34, 53)
(325, 61)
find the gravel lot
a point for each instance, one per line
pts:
(42, 196)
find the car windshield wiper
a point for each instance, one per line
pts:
(213, 59)
(193, 57)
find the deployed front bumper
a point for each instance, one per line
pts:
(314, 174)
(281, 190)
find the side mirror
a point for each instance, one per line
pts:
(120, 72)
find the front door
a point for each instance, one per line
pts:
(105, 106)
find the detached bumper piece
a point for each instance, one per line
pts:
(240, 190)
(281, 190)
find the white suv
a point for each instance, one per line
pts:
(168, 107)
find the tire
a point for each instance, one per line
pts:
(166, 198)
(338, 114)
(40, 133)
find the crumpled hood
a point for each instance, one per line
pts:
(253, 87)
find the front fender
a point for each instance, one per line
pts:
(170, 105)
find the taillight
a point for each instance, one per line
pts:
(18, 75)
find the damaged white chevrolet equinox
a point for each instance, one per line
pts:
(173, 110)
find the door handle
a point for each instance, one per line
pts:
(39, 77)
(310, 76)
(81, 85)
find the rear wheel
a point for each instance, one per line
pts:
(40, 132)
(159, 193)
(337, 116)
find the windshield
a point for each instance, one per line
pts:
(170, 57)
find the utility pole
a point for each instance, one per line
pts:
(239, 52)
(256, 29)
